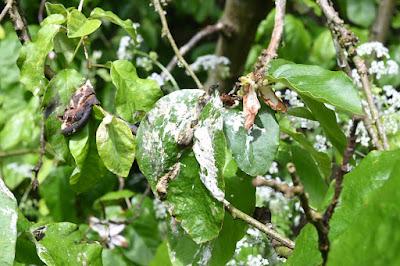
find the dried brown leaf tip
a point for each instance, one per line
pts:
(78, 112)
(251, 105)
(162, 184)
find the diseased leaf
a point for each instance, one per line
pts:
(72, 250)
(78, 25)
(133, 93)
(333, 87)
(199, 214)
(253, 150)
(8, 224)
(33, 56)
(127, 25)
(116, 145)
(164, 130)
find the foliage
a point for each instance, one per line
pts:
(150, 170)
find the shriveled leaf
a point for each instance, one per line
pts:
(253, 150)
(133, 93)
(127, 25)
(251, 105)
(116, 145)
(333, 87)
(72, 250)
(8, 224)
(163, 131)
(34, 55)
(78, 25)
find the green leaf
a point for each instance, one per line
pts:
(133, 93)
(323, 53)
(89, 167)
(56, 9)
(78, 25)
(333, 87)
(183, 250)
(116, 145)
(368, 214)
(168, 123)
(253, 151)
(60, 198)
(310, 177)
(63, 244)
(327, 120)
(192, 204)
(361, 12)
(301, 112)
(161, 257)
(8, 224)
(127, 25)
(34, 55)
(113, 196)
(57, 19)
(306, 250)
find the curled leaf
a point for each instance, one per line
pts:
(251, 105)
(270, 99)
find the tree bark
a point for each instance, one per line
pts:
(242, 17)
(381, 26)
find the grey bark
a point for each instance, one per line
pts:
(242, 17)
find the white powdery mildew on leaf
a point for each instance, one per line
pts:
(170, 120)
(235, 121)
(205, 255)
(12, 218)
(204, 150)
(5, 190)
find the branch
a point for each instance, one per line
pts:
(288, 191)
(16, 153)
(210, 29)
(41, 10)
(42, 152)
(271, 52)
(5, 9)
(312, 216)
(348, 153)
(381, 26)
(347, 41)
(166, 31)
(80, 5)
(19, 22)
(236, 213)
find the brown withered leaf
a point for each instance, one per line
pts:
(162, 184)
(251, 105)
(273, 101)
(78, 112)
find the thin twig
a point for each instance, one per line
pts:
(347, 41)
(5, 9)
(312, 216)
(80, 5)
(19, 22)
(288, 191)
(42, 152)
(271, 52)
(236, 213)
(121, 185)
(41, 10)
(210, 29)
(138, 206)
(166, 31)
(343, 169)
(17, 153)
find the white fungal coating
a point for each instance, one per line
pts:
(203, 149)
